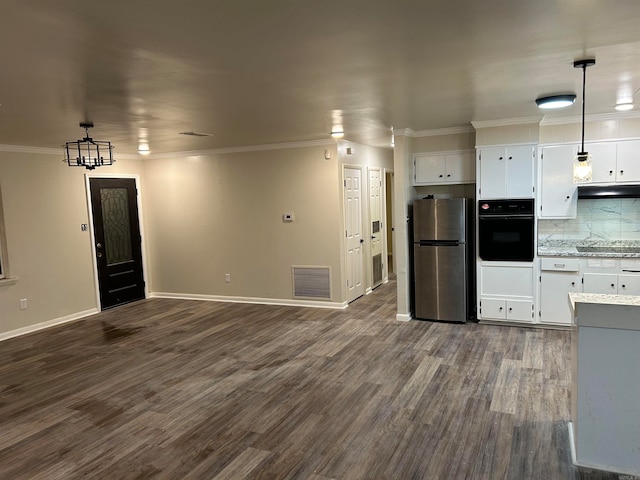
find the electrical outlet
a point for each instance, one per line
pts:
(23, 304)
(227, 278)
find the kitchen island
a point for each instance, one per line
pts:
(605, 397)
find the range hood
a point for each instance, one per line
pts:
(608, 191)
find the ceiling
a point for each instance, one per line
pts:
(253, 72)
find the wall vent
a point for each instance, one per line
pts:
(311, 282)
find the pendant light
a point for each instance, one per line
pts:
(582, 168)
(88, 153)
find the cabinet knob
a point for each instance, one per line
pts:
(568, 197)
(500, 309)
(510, 158)
(440, 176)
(500, 158)
(573, 284)
(624, 286)
(613, 285)
(510, 309)
(448, 175)
(610, 172)
(621, 172)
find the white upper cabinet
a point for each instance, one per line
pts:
(443, 168)
(557, 193)
(628, 161)
(506, 172)
(615, 161)
(603, 158)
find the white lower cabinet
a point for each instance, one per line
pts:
(621, 284)
(629, 284)
(600, 283)
(558, 277)
(506, 291)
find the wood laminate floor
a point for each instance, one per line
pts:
(171, 389)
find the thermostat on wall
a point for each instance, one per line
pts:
(287, 217)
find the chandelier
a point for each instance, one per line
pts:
(88, 153)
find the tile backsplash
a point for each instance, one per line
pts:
(605, 219)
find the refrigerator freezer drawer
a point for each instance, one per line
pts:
(440, 282)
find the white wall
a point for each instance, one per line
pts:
(44, 204)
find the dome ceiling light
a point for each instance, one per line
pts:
(556, 101)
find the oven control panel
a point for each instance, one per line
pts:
(521, 206)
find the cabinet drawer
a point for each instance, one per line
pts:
(560, 264)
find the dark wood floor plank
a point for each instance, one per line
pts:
(173, 389)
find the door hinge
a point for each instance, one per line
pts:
(540, 278)
(345, 183)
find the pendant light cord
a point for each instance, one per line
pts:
(584, 81)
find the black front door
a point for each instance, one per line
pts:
(118, 241)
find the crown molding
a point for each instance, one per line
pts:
(505, 122)
(249, 148)
(32, 150)
(129, 156)
(52, 151)
(445, 131)
(598, 117)
(407, 132)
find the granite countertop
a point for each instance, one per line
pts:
(605, 299)
(589, 248)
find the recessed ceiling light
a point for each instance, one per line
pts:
(623, 107)
(197, 134)
(556, 101)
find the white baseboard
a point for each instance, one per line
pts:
(256, 300)
(403, 317)
(48, 324)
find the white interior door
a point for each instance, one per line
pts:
(375, 225)
(353, 225)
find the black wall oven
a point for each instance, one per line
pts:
(506, 230)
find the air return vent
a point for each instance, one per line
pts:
(312, 282)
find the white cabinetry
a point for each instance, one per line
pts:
(615, 161)
(603, 158)
(558, 277)
(444, 168)
(600, 283)
(506, 291)
(622, 284)
(557, 193)
(506, 172)
(628, 161)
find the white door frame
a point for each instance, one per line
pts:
(388, 222)
(362, 229)
(383, 223)
(94, 262)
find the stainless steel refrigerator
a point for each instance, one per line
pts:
(443, 259)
